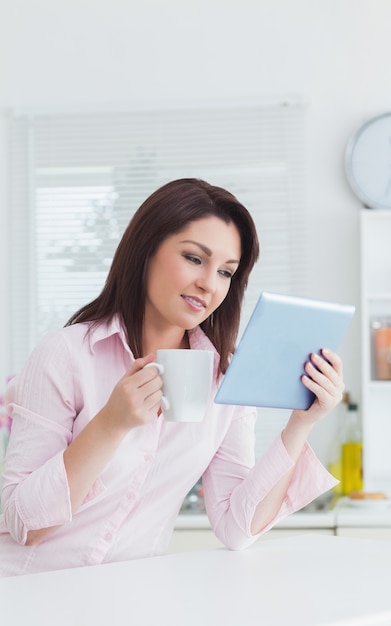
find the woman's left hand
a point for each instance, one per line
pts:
(324, 377)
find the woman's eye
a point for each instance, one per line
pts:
(196, 260)
(226, 273)
(193, 259)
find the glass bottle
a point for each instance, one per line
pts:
(352, 473)
(335, 462)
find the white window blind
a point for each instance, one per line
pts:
(77, 179)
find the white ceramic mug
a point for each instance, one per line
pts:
(187, 379)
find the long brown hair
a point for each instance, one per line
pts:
(165, 212)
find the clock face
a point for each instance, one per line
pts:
(368, 162)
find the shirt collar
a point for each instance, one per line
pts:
(105, 330)
(197, 338)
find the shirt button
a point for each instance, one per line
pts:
(148, 458)
(108, 536)
(130, 496)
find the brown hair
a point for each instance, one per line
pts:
(167, 211)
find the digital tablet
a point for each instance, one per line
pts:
(266, 368)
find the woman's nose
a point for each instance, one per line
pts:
(207, 282)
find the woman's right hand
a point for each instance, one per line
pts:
(135, 399)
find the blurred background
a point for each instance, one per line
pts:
(326, 58)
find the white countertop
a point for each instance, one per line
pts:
(365, 514)
(311, 580)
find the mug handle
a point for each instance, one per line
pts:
(158, 366)
(164, 401)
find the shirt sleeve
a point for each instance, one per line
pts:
(41, 401)
(234, 484)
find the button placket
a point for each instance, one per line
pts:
(124, 508)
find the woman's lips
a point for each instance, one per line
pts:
(195, 303)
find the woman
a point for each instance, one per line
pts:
(93, 473)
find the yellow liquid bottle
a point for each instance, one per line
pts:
(352, 479)
(351, 470)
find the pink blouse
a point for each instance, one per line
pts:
(130, 511)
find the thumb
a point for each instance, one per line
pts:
(139, 364)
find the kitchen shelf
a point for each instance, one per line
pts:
(375, 270)
(379, 385)
(381, 297)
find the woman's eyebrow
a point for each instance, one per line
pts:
(207, 250)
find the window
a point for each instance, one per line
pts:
(77, 178)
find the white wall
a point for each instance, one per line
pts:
(89, 53)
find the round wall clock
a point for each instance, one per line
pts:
(368, 162)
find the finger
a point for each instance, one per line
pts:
(329, 370)
(316, 381)
(324, 401)
(153, 401)
(326, 389)
(323, 374)
(321, 385)
(138, 378)
(319, 366)
(147, 379)
(334, 359)
(139, 364)
(141, 394)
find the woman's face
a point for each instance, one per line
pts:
(190, 274)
